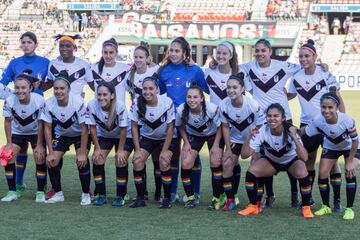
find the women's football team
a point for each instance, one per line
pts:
(168, 106)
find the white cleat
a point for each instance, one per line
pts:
(10, 196)
(57, 197)
(85, 199)
(40, 197)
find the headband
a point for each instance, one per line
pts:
(64, 79)
(67, 38)
(110, 43)
(228, 45)
(155, 80)
(309, 48)
(328, 96)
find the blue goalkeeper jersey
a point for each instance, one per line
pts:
(38, 65)
(174, 80)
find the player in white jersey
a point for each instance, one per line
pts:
(216, 78)
(282, 151)
(340, 139)
(23, 126)
(156, 115)
(109, 70)
(5, 91)
(238, 114)
(107, 119)
(144, 67)
(309, 84)
(67, 112)
(198, 122)
(77, 69)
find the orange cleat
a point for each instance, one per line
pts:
(306, 210)
(251, 209)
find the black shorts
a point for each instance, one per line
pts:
(312, 143)
(62, 144)
(236, 148)
(150, 144)
(197, 142)
(23, 140)
(278, 166)
(332, 154)
(129, 145)
(108, 143)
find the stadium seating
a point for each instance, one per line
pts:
(287, 9)
(337, 1)
(212, 10)
(350, 58)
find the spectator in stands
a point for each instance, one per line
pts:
(336, 26)
(324, 25)
(76, 22)
(346, 24)
(84, 21)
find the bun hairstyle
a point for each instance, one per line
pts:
(64, 76)
(111, 42)
(145, 47)
(332, 96)
(26, 75)
(310, 45)
(238, 77)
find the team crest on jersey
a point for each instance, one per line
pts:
(118, 78)
(288, 147)
(196, 121)
(34, 116)
(331, 132)
(318, 87)
(77, 75)
(249, 120)
(73, 118)
(276, 78)
(163, 119)
(344, 136)
(39, 76)
(187, 84)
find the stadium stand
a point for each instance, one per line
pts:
(213, 10)
(287, 9)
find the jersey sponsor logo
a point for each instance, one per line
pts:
(308, 94)
(103, 125)
(242, 125)
(269, 84)
(200, 128)
(26, 120)
(155, 123)
(73, 77)
(215, 88)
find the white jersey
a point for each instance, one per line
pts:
(78, 71)
(116, 75)
(240, 119)
(154, 123)
(5, 91)
(337, 137)
(202, 125)
(97, 116)
(216, 82)
(309, 89)
(267, 84)
(24, 117)
(67, 119)
(136, 87)
(274, 146)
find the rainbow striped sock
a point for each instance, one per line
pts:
(98, 179)
(120, 181)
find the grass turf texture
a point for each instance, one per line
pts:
(24, 219)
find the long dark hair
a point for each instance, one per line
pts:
(141, 101)
(332, 96)
(186, 110)
(112, 110)
(144, 46)
(185, 46)
(110, 42)
(238, 77)
(286, 125)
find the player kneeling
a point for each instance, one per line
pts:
(283, 151)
